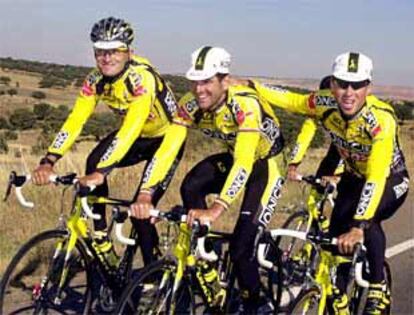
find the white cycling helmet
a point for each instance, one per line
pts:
(207, 61)
(352, 67)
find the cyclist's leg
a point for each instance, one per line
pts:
(207, 177)
(262, 192)
(378, 298)
(144, 149)
(101, 190)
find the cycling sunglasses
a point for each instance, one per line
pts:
(355, 85)
(101, 52)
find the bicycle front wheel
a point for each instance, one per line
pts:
(31, 281)
(152, 292)
(307, 302)
(295, 257)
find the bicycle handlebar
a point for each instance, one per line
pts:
(18, 181)
(357, 260)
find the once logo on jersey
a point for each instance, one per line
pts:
(148, 171)
(60, 139)
(328, 101)
(354, 150)
(191, 106)
(295, 151)
(238, 183)
(372, 122)
(270, 129)
(269, 209)
(109, 150)
(365, 199)
(169, 100)
(401, 189)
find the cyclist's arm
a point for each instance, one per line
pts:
(164, 158)
(282, 98)
(303, 141)
(82, 110)
(132, 125)
(247, 140)
(329, 163)
(378, 168)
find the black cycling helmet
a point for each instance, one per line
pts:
(112, 33)
(325, 83)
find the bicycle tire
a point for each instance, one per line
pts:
(30, 280)
(293, 264)
(151, 292)
(272, 279)
(306, 303)
(357, 299)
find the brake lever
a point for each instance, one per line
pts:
(12, 178)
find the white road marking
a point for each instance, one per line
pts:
(399, 248)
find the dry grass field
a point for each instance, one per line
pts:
(18, 224)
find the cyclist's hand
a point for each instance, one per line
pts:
(140, 209)
(325, 180)
(42, 173)
(292, 173)
(94, 179)
(205, 216)
(347, 241)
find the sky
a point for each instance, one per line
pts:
(273, 38)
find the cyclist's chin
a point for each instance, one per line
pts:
(110, 70)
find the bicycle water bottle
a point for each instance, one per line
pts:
(210, 283)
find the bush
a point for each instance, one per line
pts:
(5, 80)
(22, 119)
(4, 124)
(100, 124)
(11, 135)
(38, 95)
(42, 110)
(12, 92)
(4, 148)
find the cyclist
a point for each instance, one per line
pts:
(249, 128)
(303, 141)
(375, 182)
(132, 88)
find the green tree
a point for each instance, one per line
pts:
(100, 124)
(22, 119)
(42, 110)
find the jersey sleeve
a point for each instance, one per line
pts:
(187, 109)
(82, 110)
(287, 100)
(133, 123)
(162, 164)
(303, 141)
(383, 132)
(248, 117)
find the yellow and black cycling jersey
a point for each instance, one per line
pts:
(139, 94)
(245, 123)
(368, 143)
(303, 141)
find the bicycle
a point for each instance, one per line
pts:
(295, 252)
(63, 269)
(313, 268)
(177, 284)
